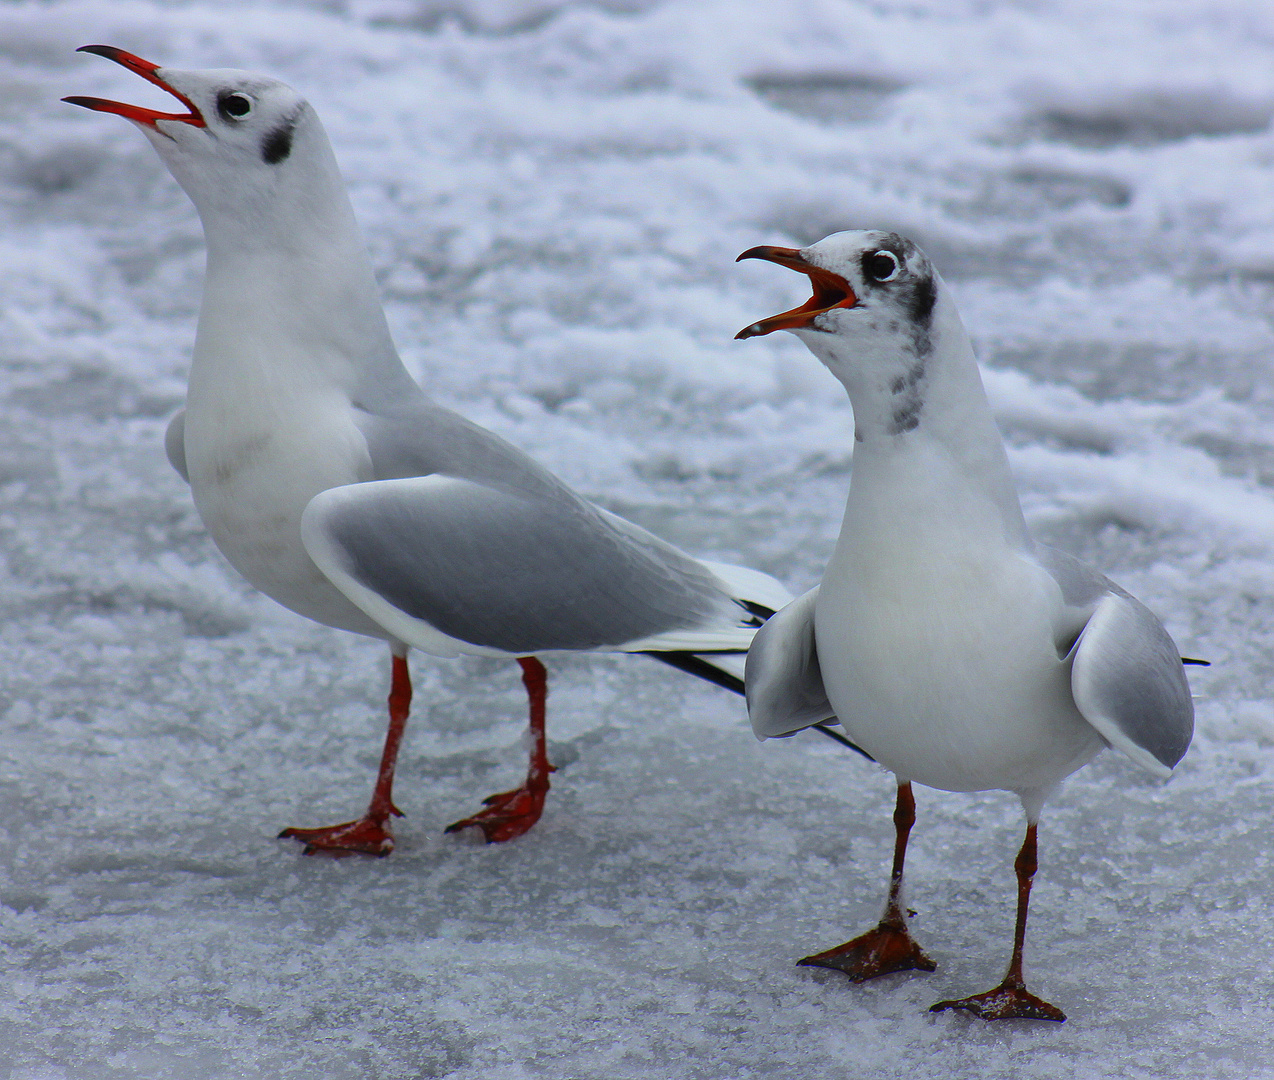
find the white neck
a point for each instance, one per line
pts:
(928, 457)
(289, 292)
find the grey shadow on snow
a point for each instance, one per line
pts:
(1144, 118)
(831, 97)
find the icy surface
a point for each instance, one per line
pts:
(553, 194)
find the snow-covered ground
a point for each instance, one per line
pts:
(553, 194)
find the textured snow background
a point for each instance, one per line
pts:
(553, 194)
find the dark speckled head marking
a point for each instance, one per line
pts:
(907, 415)
(914, 291)
(923, 296)
(903, 384)
(874, 284)
(908, 391)
(910, 289)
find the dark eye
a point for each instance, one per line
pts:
(881, 265)
(233, 105)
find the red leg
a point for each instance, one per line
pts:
(370, 834)
(511, 813)
(890, 946)
(1011, 1000)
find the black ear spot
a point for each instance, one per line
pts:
(922, 300)
(277, 145)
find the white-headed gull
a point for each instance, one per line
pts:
(955, 650)
(334, 485)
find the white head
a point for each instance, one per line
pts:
(876, 319)
(249, 150)
(288, 276)
(883, 322)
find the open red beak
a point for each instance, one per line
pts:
(146, 70)
(830, 291)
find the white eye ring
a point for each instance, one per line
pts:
(875, 271)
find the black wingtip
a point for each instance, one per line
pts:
(1196, 663)
(836, 736)
(697, 666)
(700, 668)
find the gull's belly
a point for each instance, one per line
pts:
(949, 675)
(251, 482)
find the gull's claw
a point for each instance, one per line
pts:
(369, 835)
(881, 951)
(509, 814)
(1008, 1001)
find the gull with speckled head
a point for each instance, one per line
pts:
(332, 483)
(954, 649)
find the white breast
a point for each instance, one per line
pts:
(937, 643)
(256, 457)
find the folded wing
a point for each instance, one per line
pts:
(1129, 684)
(175, 444)
(783, 680)
(452, 565)
(1126, 673)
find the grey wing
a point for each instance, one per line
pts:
(1126, 673)
(741, 583)
(783, 681)
(503, 570)
(420, 438)
(1129, 684)
(415, 437)
(1082, 590)
(175, 444)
